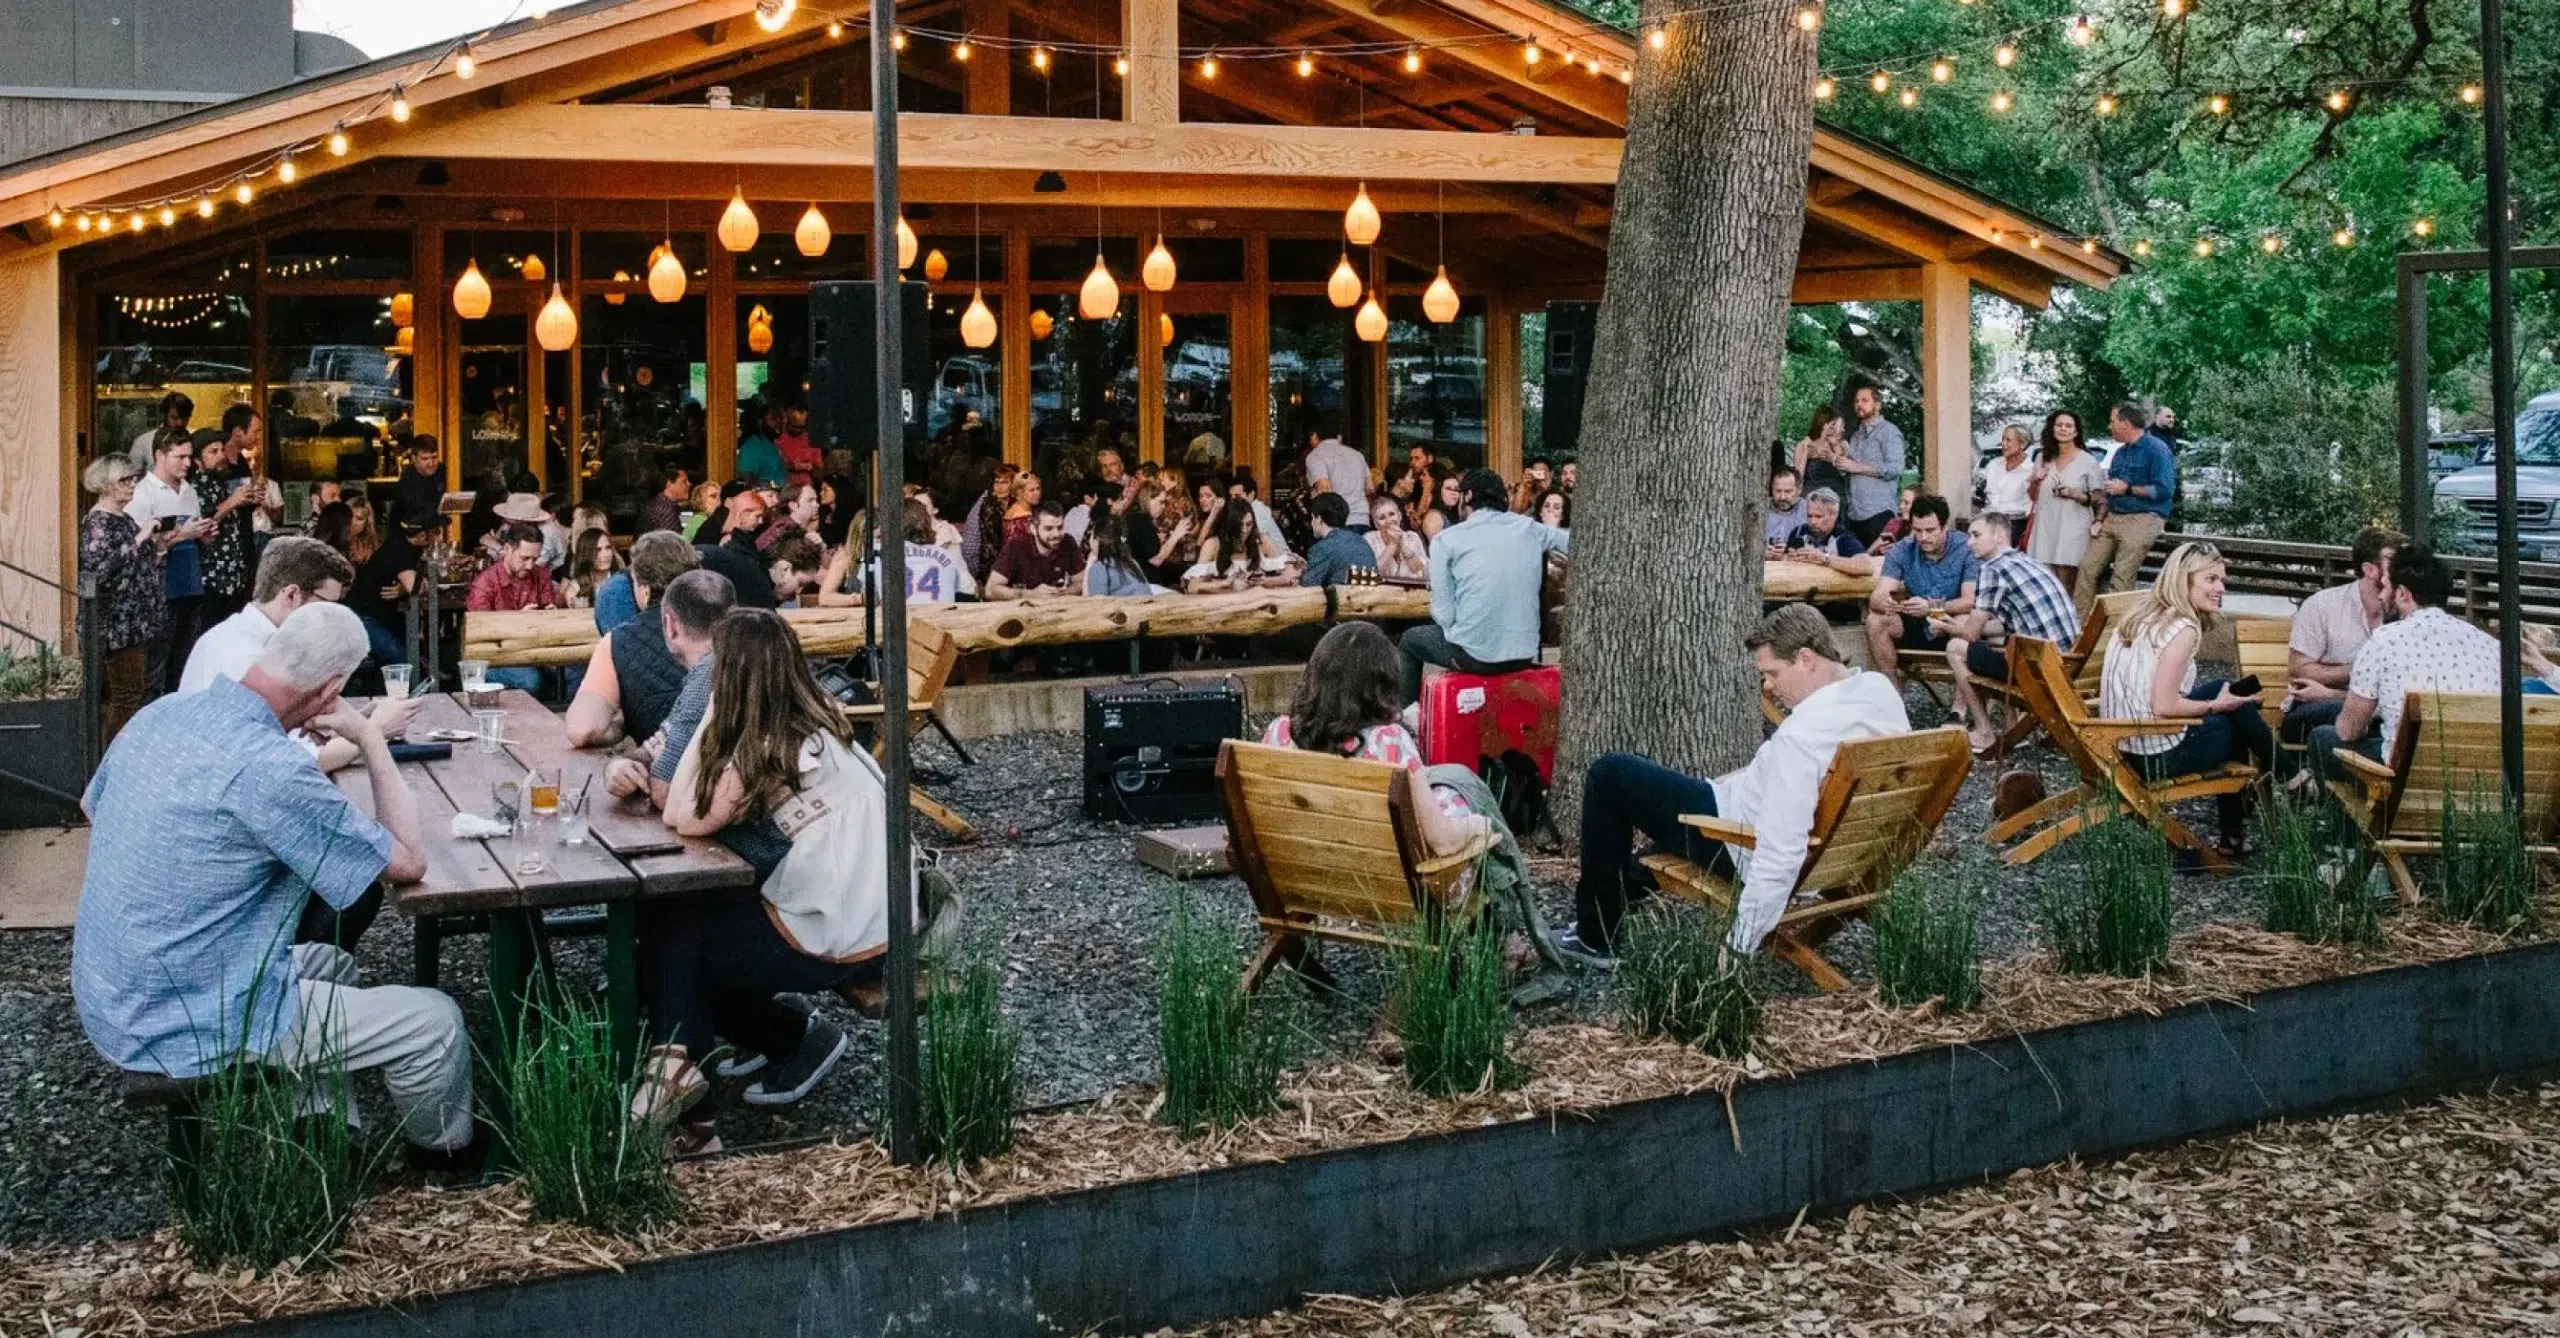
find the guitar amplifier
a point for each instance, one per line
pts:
(1151, 750)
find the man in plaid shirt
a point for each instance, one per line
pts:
(2014, 595)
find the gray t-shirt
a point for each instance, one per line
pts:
(1878, 445)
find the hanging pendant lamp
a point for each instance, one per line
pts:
(1157, 274)
(1100, 297)
(1440, 300)
(813, 234)
(1042, 323)
(936, 265)
(1371, 323)
(759, 337)
(533, 270)
(1164, 331)
(556, 329)
(738, 226)
(471, 292)
(906, 244)
(978, 323)
(1360, 221)
(666, 273)
(1344, 287)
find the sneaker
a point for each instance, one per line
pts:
(798, 1072)
(741, 1063)
(1569, 941)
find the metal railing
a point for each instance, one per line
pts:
(85, 733)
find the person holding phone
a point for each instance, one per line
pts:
(165, 503)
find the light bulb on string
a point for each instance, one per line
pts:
(1530, 54)
(835, 30)
(244, 192)
(2088, 246)
(1371, 323)
(978, 323)
(771, 15)
(2174, 9)
(813, 235)
(168, 216)
(2271, 243)
(81, 223)
(2204, 248)
(285, 170)
(2142, 249)
(1209, 66)
(2343, 237)
(1413, 60)
(204, 207)
(2471, 94)
(2004, 55)
(897, 39)
(960, 51)
(2425, 227)
(338, 144)
(1655, 38)
(1306, 65)
(2219, 104)
(466, 64)
(55, 219)
(2338, 100)
(2002, 101)
(1342, 288)
(1120, 65)
(1909, 98)
(2106, 104)
(1941, 70)
(1824, 88)
(1880, 81)
(1808, 18)
(2083, 30)
(139, 222)
(400, 103)
(471, 292)
(1040, 59)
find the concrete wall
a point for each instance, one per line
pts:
(34, 125)
(149, 46)
(32, 452)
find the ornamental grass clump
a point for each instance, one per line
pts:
(1678, 977)
(263, 1171)
(569, 1132)
(1223, 1049)
(2301, 889)
(1926, 941)
(2487, 872)
(1451, 1010)
(2108, 909)
(970, 1058)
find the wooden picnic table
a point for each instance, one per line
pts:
(478, 884)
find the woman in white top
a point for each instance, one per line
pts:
(2008, 480)
(2151, 675)
(1399, 550)
(2070, 489)
(1232, 555)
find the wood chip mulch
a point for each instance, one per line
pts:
(407, 1244)
(2441, 1220)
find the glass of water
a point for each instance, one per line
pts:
(395, 681)
(532, 843)
(573, 817)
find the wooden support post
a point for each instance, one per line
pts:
(989, 90)
(1946, 384)
(1150, 353)
(1151, 35)
(433, 386)
(1376, 355)
(1504, 451)
(1249, 364)
(1013, 325)
(720, 353)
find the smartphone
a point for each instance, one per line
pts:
(167, 523)
(2246, 687)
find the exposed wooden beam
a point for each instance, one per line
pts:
(1459, 40)
(1885, 283)
(1833, 190)
(990, 86)
(842, 140)
(1151, 32)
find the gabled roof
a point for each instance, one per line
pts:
(636, 49)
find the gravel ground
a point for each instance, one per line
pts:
(1073, 908)
(2434, 1221)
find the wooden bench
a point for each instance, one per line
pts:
(2447, 748)
(2108, 781)
(1880, 802)
(1330, 847)
(932, 654)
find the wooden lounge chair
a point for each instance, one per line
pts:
(2264, 642)
(932, 653)
(1880, 802)
(2083, 659)
(2447, 748)
(2108, 782)
(1330, 848)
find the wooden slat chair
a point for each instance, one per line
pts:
(2084, 658)
(932, 653)
(1331, 848)
(2448, 747)
(2263, 645)
(2108, 783)
(1880, 802)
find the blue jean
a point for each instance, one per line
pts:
(1624, 794)
(2211, 742)
(388, 646)
(520, 677)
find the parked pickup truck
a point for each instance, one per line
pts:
(2537, 486)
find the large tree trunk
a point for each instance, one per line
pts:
(1683, 389)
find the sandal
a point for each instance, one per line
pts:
(670, 1083)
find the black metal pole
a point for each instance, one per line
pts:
(2502, 396)
(888, 311)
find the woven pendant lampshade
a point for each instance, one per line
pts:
(813, 234)
(1440, 300)
(1164, 331)
(978, 323)
(1157, 274)
(666, 273)
(1100, 296)
(534, 270)
(936, 265)
(1042, 323)
(1344, 287)
(471, 292)
(556, 329)
(906, 244)
(1371, 323)
(1360, 222)
(738, 226)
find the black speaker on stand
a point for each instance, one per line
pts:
(844, 399)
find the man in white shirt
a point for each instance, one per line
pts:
(2420, 648)
(176, 410)
(294, 571)
(1829, 703)
(1335, 468)
(2328, 630)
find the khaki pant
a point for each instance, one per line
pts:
(413, 1035)
(2117, 549)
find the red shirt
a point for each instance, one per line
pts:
(493, 591)
(1025, 567)
(801, 459)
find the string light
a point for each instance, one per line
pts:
(2142, 249)
(168, 216)
(1120, 66)
(2004, 55)
(1413, 60)
(771, 15)
(2175, 9)
(54, 218)
(2271, 243)
(2035, 241)
(897, 39)
(400, 103)
(1910, 98)
(81, 223)
(2425, 227)
(1941, 70)
(1880, 81)
(2088, 246)
(1209, 67)
(2219, 104)
(244, 192)
(1529, 53)
(139, 222)
(1654, 37)
(2338, 100)
(204, 207)
(2106, 104)
(2343, 237)
(2471, 94)
(285, 170)
(2204, 248)
(1040, 59)
(1808, 18)
(960, 51)
(337, 143)
(2001, 101)
(2083, 30)
(1824, 87)
(466, 63)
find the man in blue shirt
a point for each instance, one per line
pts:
(1337, 551)
(2142, 484)
(1486, 574)
(1925, 576)
(210, 827)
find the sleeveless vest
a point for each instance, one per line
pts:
(647, 672)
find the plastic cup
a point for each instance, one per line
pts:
(475, 675)
(395, 681)
(493, 729)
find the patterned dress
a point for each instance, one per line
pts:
(226, 553)
(1389, 743)
(133, 606)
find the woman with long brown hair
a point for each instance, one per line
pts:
(1348, 704)
(771, 773)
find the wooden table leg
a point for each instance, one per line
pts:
(622, 981)
(511, 962)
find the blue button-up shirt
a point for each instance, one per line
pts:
(1335, 556)
(1486, 572)
(210, 827)
(2146, 464)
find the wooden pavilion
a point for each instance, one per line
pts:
(300, 249)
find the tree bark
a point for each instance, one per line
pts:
(1684, 387)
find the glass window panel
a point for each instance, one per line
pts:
(1309, 340)
(492, 393)
(1207, 259)
(1084, 387)
(969, 260)
(185, 331)
(501, 255)
(639, 362)
(776, 254)
(625, 256)
(1435, 380)
(340, 253)
(1069, 259)
(777, 374)
(1199, 395)
(330, 363)
(964, 407)
(1306, 260)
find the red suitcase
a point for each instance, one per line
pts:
(1467, 718)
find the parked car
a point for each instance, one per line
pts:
(2537, 486)
(2452, 452)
